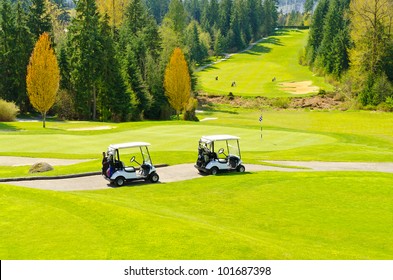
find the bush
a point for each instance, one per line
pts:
(281, 102)
(65, 106)
(8, 111)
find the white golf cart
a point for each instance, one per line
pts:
(115, 171)
(228, 158)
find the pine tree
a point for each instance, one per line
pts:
(224, 16)
(178, 15)
(85, 51)
(43, 76)
(39, 20)
(316, 31)
(7, 33)
(112, 97)
(333, 51)
(177, 82)
(196, 50)
(15, 49)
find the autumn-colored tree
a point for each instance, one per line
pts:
(177, 82)
(114, 9)
(43, 76)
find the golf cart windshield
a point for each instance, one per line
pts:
(145, 155)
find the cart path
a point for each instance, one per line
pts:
(187, 171)
(22, 161)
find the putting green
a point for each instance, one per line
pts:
(162, 138)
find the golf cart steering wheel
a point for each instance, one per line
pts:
(133, 159)
(221, 151)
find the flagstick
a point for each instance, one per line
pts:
(260, 120)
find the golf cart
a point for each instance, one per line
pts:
(228, 158)
(115, 171)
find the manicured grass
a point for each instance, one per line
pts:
(267, 215)
(253, 70)
(287, 135)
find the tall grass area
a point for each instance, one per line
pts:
(254, 70)
(268, 215)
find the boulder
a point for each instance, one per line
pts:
(40, 167)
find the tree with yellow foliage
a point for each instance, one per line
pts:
(114, 9)
(177, 82)
(43, 76)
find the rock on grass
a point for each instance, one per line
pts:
(40, 167)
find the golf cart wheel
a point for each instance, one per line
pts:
(241, 168)
(120, 181)
(154, 178)
(214, 170)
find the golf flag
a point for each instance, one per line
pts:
(260, 118)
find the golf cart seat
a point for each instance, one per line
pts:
(129, 169)
(222, 160)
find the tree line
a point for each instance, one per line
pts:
(352, 41)
(112, 55)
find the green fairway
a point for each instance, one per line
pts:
(254, 70)
(266, 215)
(287, 135)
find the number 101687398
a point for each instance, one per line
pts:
(245, 270)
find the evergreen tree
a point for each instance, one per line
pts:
(219, 43)
(270, 16)
(178, 15)
(332, 54)
(139, 39)
(309, 5)
(15, 49)
(224, 16)
(7, 33)
(39, 20)
(158, 8)
(316, 30)
(237, 39)
(85, 53)
(197, 52)
(112, 97)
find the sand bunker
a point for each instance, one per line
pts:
(304, 87)
(104, 127)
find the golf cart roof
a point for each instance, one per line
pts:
(212, 138)
(128, 145)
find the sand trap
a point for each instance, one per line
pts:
(304, 87)
(208, 119)
(104, 127)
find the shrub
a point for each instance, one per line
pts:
(281, 102)
(65, 105)
(8, 111)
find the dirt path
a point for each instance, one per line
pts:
(183, 172)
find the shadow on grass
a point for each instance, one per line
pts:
(8, 127)
(261, 47)
(209, 109)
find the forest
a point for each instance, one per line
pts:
(351, 42)
(112, 55)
